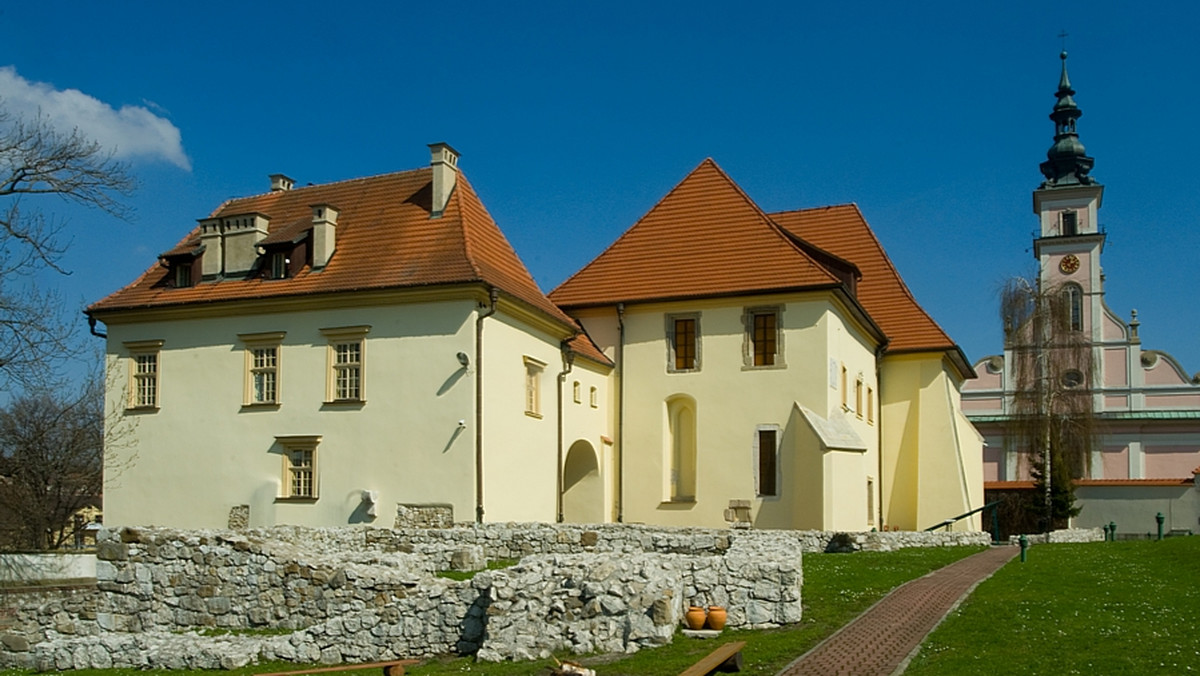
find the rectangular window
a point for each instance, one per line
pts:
(279, 265)
(766, 454)
(183, 275)
(858, 396)
(870, 405)
(533, 386)
(145, 377)
(593, 398)
(143, 373)
(300, 474)
(263, 374)
(1070, 223)
(764, 341)
(683, 343)
(347, 355)
(575, 392)
(299, 479)
(870, 501)
(262, 367)
(845, 390)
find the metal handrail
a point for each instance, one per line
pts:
(995, 520)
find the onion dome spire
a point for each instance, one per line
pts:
(1067, 163)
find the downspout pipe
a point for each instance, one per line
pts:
(568, 356)
(489, 310)
(92, 326)
(620, 413)
(878, 404)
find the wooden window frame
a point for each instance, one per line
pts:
(760, 463)
(534, 370)
(677, 357)
(144, 382)
(338, 371)
(758, 338)
(255, 342)
(305, 447)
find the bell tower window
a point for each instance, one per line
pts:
(1073, 295)
(1070, 223)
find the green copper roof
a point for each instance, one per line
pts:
(1067, 163)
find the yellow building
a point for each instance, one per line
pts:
(321, 355)
(774, 369)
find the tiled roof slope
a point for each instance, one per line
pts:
(705, 238)
(842, 231)
(385, 240)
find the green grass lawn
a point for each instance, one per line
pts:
(1098, 608)
(837, 587)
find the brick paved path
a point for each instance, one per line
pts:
(879, 642)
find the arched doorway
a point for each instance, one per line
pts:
(583, 492)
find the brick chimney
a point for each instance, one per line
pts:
(324, 231)
(444, 161)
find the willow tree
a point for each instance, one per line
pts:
(1051, 415)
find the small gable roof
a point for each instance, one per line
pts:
(842, 231)
(704, 238)
(386, 239)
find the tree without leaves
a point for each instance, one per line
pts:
(51, 450)
(38, 161)
(1051, 413)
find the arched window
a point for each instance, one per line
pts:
(1073, 298)
(680, 449)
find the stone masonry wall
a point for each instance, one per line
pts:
(353, 594)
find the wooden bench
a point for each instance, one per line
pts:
(390, 668)
(726, 659)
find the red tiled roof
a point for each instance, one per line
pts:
(582, 344)
(385, 239)
(705, 238)
(842, 231)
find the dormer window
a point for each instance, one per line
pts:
(183, 274)
(279, 265)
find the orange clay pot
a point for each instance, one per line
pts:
(716, 618)
(694, 617)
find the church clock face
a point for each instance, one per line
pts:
(1069, 264)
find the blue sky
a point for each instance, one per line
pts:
(574, 118)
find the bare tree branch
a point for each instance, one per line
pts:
(1051, 416)
(36, 161)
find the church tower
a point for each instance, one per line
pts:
(1067, 203)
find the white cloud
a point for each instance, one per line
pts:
(130, 132)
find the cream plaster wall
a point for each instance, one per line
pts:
(584, 423)
(731, 401)
(202, 452)
(932, 457)
(519, 450)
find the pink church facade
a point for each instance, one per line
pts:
(1147, 405)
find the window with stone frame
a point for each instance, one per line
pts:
(144, 373)
(300, 478)
(763, 344)
(346, 375)
(683, 342)
(262, 379)
(533, 386)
